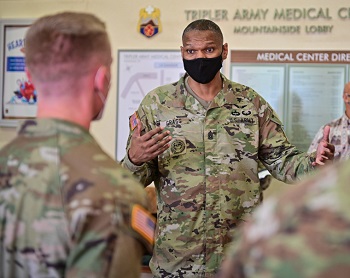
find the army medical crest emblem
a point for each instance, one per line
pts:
(149, 22)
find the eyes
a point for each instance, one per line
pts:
(208, 50)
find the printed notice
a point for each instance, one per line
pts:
(138, 73)
(315, 98)
(19, 95)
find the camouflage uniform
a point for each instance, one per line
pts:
(339, 136)
(66, 208)
(305, 233)
(207, 181)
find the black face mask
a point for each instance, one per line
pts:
(203, 70)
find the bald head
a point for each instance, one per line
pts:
(346, 98)
(347, 88)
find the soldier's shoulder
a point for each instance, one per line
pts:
(89, 163)
(164, 93)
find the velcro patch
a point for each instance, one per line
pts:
(178, 146)
(133, 121)
(143, 223)
(244, 120)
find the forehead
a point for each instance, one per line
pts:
(347, 88)
(196, 37)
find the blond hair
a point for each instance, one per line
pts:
(66, 45)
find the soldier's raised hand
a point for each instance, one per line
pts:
(325, 150)
(146, 147)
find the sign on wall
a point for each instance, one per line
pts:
(140, 71)
(305, 88)
(18, 95)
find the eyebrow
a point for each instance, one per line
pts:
(209, 44)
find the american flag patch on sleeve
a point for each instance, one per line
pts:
(143, 223)
(133, 120)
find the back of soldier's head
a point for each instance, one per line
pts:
(66, 45)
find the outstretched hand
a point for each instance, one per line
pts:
(145, 147)
(325, 150)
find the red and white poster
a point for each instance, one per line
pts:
(19, 97)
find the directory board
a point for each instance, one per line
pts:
(304, 87)
(139, 72)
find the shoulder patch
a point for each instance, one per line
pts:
(133, 121)
(143, 223)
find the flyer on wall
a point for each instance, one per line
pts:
(19, 97)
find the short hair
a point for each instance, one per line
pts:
(67, 44)
(203, 25)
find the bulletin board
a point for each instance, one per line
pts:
(139, 72)
(305, 88)
(18, 96)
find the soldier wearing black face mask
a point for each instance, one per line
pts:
(200, 140)
(203, 70)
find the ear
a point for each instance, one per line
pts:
(224, 51)
(101, 79)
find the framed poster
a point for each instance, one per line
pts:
(18, 96)
(140, 71)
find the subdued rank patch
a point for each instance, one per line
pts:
(133, 120)
(143, 223)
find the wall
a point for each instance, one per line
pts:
(122, 17)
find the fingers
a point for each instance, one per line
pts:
(325, 150)
(323, 157)
(326, 131)
(139, 127)
(158, 138)
(150, 149)
(154, 133)
(331, 148)
(320, 161)
(145, 147)
(161, 142)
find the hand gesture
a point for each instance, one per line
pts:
(145, 147)
(325, 150)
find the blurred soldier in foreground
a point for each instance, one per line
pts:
(305, 233)
(66, 208)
